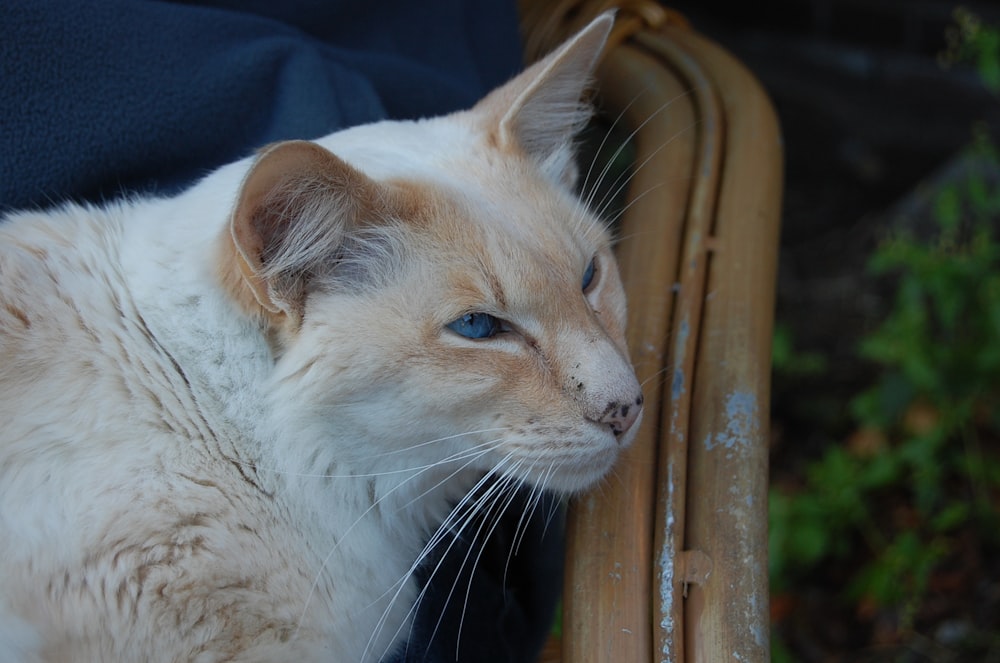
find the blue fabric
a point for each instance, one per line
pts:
(98, 97)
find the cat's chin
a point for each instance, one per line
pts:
(579, 468)
(573, 480)
(573, 483)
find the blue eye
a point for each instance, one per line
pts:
(588, 275)
(475, 325)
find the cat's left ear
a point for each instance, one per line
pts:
(296, 209)
(540, 111)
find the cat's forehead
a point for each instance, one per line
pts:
(451, 169)
(468, 201)
(514, 218)
(400, 148)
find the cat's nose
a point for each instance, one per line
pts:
(621, 416)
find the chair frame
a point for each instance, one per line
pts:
(668, 560)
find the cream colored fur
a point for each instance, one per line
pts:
(231, 419)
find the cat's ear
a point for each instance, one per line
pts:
(540, 111)
(295, 207)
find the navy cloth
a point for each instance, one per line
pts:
(99, 97)
(494, 592)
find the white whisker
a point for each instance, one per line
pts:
(534, 497)
(660, 373)
(610, 196)
(510, 486)
(440, 439)
(613, 219)
(628, 138)
(607, 135)
(446, 527)
(460, 455)
(375, 504)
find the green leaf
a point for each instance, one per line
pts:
(952, 516)
(809, 542)
(988, 60)
(881, 470)
(948, 207)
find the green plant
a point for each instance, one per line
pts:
(969, 40)
(938, 349)
(787, 359)
(890, 505)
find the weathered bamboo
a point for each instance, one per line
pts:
(727, 615)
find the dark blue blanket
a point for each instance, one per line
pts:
(98, 97)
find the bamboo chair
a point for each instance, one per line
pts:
(668, 560)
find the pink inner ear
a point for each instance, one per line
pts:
(245, 229)
(295, 209)
(270, 171)
(261, 221)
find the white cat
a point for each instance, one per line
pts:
(230, 420)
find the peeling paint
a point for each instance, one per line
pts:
(740, 426)
(590, 504)
(677, 386)
(759, 637)
(755, 611)
(741, 422)
(666, 564)
(683, 332)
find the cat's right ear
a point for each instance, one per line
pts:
(294, 209)
(540, 111)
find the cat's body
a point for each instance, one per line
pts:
(231, 419)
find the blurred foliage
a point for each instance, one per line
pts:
(892, 501)
(788, 360)
(969, 40)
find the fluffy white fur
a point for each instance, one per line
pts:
(231, 419)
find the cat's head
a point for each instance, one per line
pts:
(435, 294)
